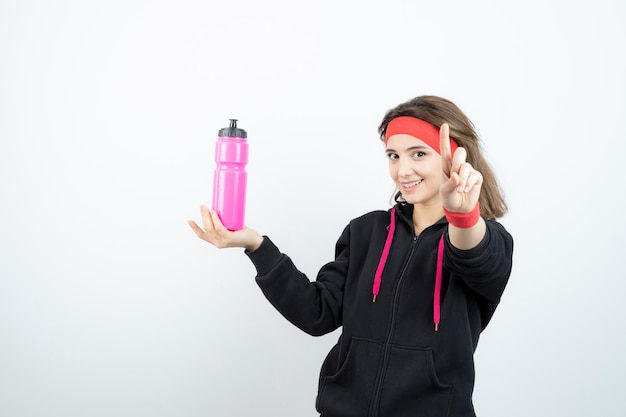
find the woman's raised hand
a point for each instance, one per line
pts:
(460, 182)
(214, 232)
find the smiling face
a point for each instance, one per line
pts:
(415, 168)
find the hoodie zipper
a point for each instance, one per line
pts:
(373, 412)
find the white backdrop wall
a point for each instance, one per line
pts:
(109, 304)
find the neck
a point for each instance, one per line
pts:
(426, 215)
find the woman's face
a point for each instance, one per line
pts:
(415, 168)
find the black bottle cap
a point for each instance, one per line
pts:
(233, 131)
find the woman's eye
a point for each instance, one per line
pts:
(392, 156)
(419, 154)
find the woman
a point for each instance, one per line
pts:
(411, 287)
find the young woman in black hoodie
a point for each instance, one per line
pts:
(412, 287)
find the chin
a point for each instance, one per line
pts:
(414, 199)
(410, 199)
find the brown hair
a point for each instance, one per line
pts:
(436, 111)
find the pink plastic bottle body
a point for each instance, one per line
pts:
(229, 181)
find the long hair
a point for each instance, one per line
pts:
(437, 111)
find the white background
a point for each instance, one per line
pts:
(111, 306)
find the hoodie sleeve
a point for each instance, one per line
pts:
(485, 269)
(314, 307)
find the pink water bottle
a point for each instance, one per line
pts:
(230, 177)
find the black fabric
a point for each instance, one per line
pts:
(389, 361)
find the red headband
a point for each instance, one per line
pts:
(418, 128)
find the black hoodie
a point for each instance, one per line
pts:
(389, 360)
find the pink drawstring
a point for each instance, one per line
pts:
(438, 277)
(383, 258)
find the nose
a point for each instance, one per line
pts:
(405, 168)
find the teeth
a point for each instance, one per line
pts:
(411, 184)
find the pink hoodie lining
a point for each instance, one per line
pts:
(438, 275)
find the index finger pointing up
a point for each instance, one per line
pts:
(444, 148)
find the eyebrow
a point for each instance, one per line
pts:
(411, 148)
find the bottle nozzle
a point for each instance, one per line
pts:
(233, 130)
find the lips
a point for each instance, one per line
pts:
(410, 185)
